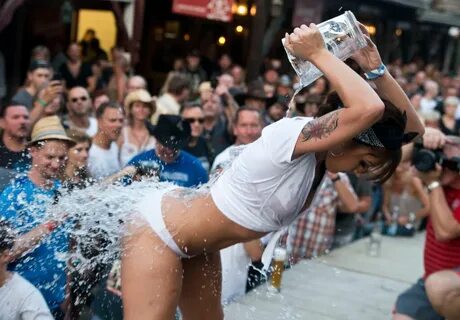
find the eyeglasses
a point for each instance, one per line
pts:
(192, 120)
(79, 98)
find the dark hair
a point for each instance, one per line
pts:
(390, 158)
(12, 103)
(190, 105)
(78, 136)
(236, 118)
(106, 105)
(6, 236)
(178, 84)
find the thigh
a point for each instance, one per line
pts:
(414, 303)
(443, 287)
(151, 277)
(201, 289)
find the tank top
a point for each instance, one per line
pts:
(264, 189)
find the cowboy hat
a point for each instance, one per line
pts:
(172, 131)
(141, 95)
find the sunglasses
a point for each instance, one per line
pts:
(79, 98)
(192, 120)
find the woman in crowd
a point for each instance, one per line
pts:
(448, 124)
(76, 171)
(197, 145)
(405, 202)
(174, 258)
(135, 137)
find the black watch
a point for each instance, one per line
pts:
(336, 178)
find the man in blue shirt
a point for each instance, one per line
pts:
(24, 203)
(172, 164)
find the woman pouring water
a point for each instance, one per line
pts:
(173, 260)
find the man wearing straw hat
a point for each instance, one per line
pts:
(35, 255)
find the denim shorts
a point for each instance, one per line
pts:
(414, 303)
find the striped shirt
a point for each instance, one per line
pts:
(441, 255)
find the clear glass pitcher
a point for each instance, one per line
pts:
(342, 37)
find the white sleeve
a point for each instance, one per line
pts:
(280, 138)
(35, 307)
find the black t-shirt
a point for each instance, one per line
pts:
(202, 151)
(80, 80)
(18, 161)
(219, 137)
(450, 132)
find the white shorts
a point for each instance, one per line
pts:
(150, 210)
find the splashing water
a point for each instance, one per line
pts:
(101, 215)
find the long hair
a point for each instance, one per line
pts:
(389, 158)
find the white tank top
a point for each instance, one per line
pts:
(129, 150)
(264, 189)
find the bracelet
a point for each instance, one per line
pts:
(376, 73)
(433, 185)
(50, 225)
(336, 178)
(42, 102)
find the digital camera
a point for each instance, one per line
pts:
(425, 160)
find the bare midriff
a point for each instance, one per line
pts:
(198, 226)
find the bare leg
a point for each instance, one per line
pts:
(151, 277)
(443, 290)
(201, 288)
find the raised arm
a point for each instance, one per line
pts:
(362, 105)
(369, 59)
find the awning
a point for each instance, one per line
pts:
(447, 5)
(447, 18)
(420, 4)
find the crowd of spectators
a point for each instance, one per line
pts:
(89, 119)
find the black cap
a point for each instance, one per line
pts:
(172, 131)
(37, 64)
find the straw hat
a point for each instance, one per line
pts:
(138, 95)
(49, 128)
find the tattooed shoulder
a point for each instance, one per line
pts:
(321, 127)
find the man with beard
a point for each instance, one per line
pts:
(103, 156)
(15, 122)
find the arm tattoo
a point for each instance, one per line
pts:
(321, 127)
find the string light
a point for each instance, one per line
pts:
(221, 41)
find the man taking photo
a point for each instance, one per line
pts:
(432, 297)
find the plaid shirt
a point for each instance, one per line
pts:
(311, 234)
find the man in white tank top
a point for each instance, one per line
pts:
(103, 158)
(236, 259)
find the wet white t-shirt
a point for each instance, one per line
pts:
(264, 189)
(20, 300)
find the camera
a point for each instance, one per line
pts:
(425, 160)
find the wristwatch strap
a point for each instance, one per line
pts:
(433, 185)
(376, 73)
